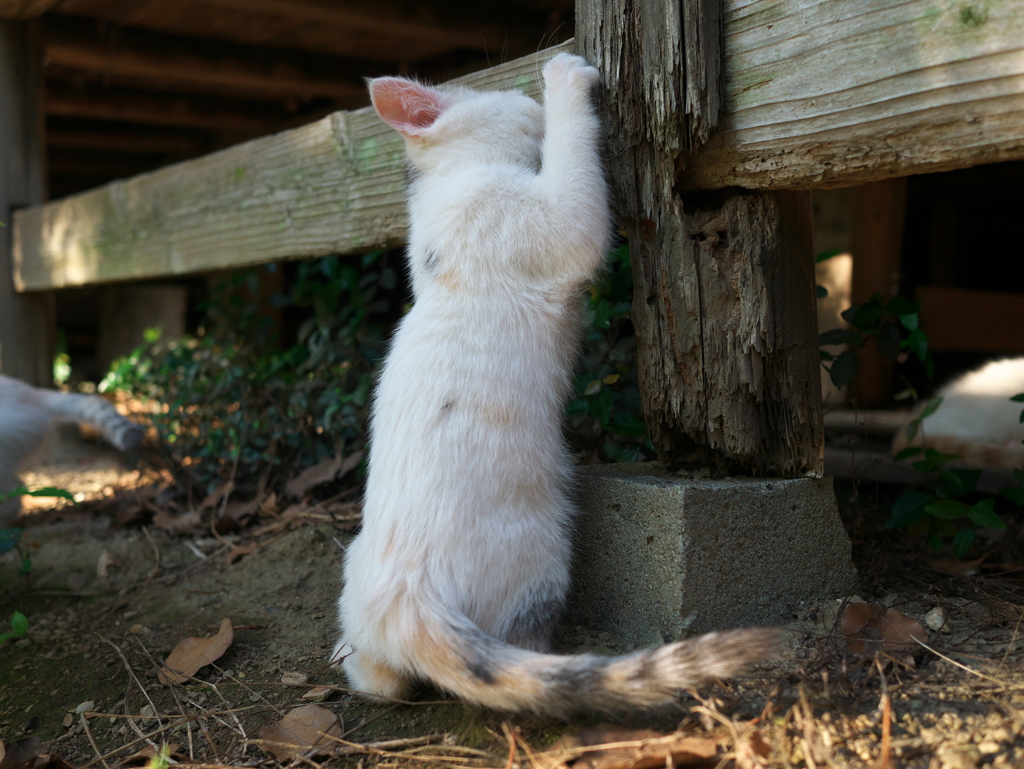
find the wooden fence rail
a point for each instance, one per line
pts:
(818, 94)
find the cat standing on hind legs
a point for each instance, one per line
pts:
(461, 569)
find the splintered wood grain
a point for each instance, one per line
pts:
(334, 186)
(830, 93)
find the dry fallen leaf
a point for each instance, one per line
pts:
(213, 499)
(29, 753)
(238, 551)
(191, 654)
(322, 472)
(304, 729)
(869, 628)
(613, 747)
(954, 568)
(176, 524)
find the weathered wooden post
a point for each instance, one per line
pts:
(726, 328)
(26, 320)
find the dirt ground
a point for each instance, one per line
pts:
(109, 595)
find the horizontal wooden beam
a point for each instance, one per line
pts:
(200, 66)
(833, 93)
(472, 26)
(25, 9)
(821, 93)
(160, 109)
(333, 186)
(135, 141)
(962, 320)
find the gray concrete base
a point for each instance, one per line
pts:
(660, 557)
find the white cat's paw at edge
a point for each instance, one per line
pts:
(567, 68)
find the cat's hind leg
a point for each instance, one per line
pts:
(370, 675)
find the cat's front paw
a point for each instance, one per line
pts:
(567, 69)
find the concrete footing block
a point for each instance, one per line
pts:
(660, 557)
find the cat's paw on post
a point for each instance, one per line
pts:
(572, 70)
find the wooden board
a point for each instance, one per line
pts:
(833, 93)
(820, 93)
(963, 320)
(333, 186)
(27, 331)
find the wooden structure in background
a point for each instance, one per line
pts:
(26, 320)
(723, 282)
(897, 88)
(136, 85)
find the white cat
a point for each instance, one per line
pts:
(26, 414)
(977, 420)
(462, 566)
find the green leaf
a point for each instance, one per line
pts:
(628, 424)
(19, 623)
(917, 342)
(1013, 493)
(900, 305)
(844, 369)
(9, 538)
(946, 509)
(956, 483)
(820, 292)
(866, 317)
(931, 408)
(840, 336)
(909, 509)
(910, 322)
(962, 542)
(1018, 398)
(818, 258)
(51, 491)
(984, 514)
(907, 453)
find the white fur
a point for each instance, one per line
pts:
(977, 419)
(465, 546)
(26, 414)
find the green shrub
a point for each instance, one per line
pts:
(229, 403)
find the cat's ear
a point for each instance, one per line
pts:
(407, 106)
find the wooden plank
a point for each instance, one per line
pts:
(964, 320)
(876, 242)
(833, 93)
(819, 93)
(27, 330)
(334, 186)
(161, 109)
(725, 319)
(200, 66)
(25, 9)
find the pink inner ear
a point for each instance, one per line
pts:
(408, 107)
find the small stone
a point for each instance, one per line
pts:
(988, 747)
(87, 705)
(318, 694)
(68, 720)
(139, 630)
(294, 678)
(147, 711)
(936, 619)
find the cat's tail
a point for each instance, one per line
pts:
(457, 656)
(120, 431)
